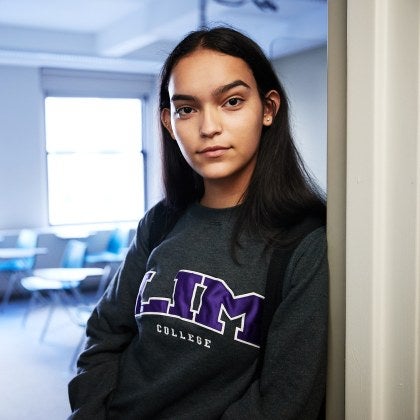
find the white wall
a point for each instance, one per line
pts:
(23, 194)
(304, 77)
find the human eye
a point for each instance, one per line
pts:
(233, 102)
(184, 111)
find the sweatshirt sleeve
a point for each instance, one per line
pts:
(110, 329)
(291, 385)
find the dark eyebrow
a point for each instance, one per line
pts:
(223, 89)
(181, 97)
(219, 91)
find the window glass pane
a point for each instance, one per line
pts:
(92, 124)
(95, 164)
(95, 188)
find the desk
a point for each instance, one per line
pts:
(68, 274)
(14, 253)
(62, 279)
(55, 282)
(10, 255)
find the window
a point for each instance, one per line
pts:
(94, 159)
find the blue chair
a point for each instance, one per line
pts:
(18, 266)
(26, 239)
(115, 250)
(56, 292)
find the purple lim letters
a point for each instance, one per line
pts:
(200, 299)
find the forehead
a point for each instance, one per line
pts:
(206, 69)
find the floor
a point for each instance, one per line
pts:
(33, 374)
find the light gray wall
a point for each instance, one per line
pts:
(23, 181)
(23, 191)
(304, 77)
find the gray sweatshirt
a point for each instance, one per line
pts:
(177, 333)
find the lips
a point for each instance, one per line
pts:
(214, 151)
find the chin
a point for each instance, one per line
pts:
(214, 176)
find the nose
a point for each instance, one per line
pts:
(210, 124)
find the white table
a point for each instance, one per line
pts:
(55, 282)
(68, 274)
(63, 278)
(13, 253)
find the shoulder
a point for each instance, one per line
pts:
(314, 241)
(156, 214)
(157, 223)
(150, 215)
(312, 238)
(150, 218)
(310, 255)
(306, 226)
(307, 267)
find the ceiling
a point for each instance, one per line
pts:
(136, 35)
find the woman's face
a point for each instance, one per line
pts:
(216, 116)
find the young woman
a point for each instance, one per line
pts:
(179, 333)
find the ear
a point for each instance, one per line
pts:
(165, 117)
(271, 106)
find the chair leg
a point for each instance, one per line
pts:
(9, 289)
(58, 298)
(54, 301)
(77, 296)
(35, 297)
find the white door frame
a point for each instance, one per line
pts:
(380, 117)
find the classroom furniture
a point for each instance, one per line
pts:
(18, 261)
(59, 287)
(115, 250)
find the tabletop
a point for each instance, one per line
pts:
(12, 253)
(68, 274)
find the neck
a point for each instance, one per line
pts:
(221, 196)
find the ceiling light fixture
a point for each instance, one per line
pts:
(265, 5)
(261, 4)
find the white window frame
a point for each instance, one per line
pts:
(79, 83)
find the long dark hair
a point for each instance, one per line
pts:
(281, 192)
